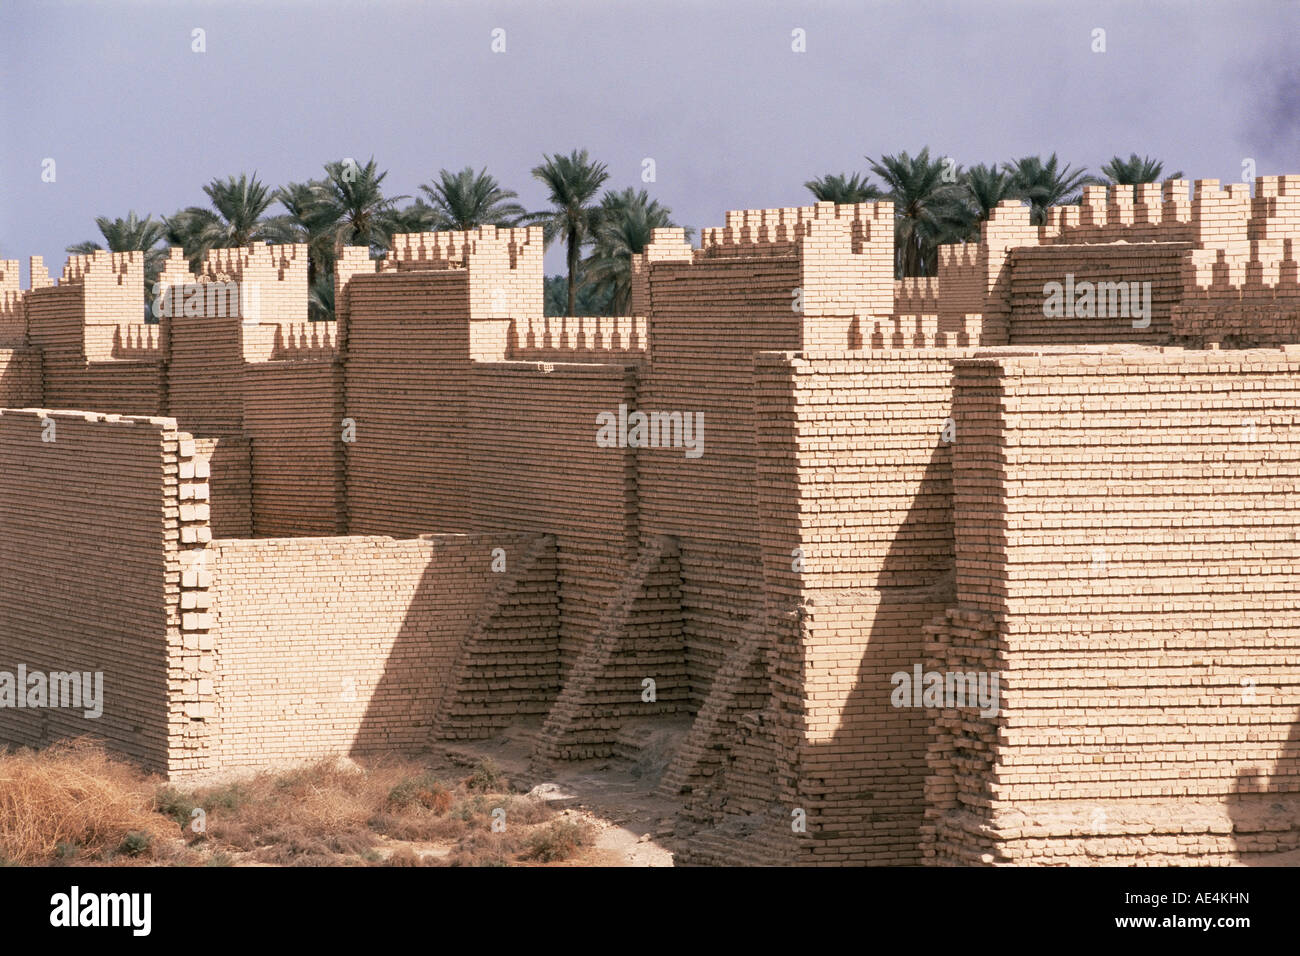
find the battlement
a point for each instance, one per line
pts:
(285, 262)
(13, 321)
(125, 267)
(577, 338)
(777, 232)
(828, 267)
(454, 250)
(1204, 212)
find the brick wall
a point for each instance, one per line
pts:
(1114, 309)
(1128, 551)
(854, 493)
(407, 375)
(20, 378)
(94, 511)
(533, 463)
(292, 413)
(346, 644)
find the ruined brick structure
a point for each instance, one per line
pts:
(280, 539)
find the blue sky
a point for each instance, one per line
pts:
(711, 91)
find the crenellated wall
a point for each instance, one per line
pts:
(439, 499)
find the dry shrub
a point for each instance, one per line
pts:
(485, 848)
(312, 810)
(312, 814)
(425, 790)
(526, 811)
(72, 801)
(487, 778)
(419, 825)
(558, 841)
(292, 845)
(407, 857)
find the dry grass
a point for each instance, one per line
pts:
(561, 840)
(72, 801)
(72, 804)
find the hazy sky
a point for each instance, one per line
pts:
(712, 91)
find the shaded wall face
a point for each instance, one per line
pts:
(407, 375)
(293, 416)
(84, 575)
(330, 645)
(225, 463)
(533, 462)
(856, 500)
(709, 318)
(1050, 290)
(20, 378)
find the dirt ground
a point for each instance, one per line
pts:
(633, 825)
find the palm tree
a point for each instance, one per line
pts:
(350, 205)
(419, 216)
(308, 225)
(131, 234)
(320, 298)
(588, 301)
(1047, 184)
(466, 200)
(572, 181)
(927, 210)
(842, 189)
(1134, 170)
(237, 218)
(986, 186)
(625, 223)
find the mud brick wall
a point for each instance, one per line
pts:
(20, 378)
(272, 279)
(407, 375)
(83, 325)
(861, 484)
(1128, 547)
(346, 644)
(1164, 265)
(229, 474)
(508, 667)
(282, 341)
(205, 371)
(708, 319)
(55, 318)
(973, 286)
(92, 524)
(292, 414)
(124, 388)
(1234, 322)
(533, 464)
